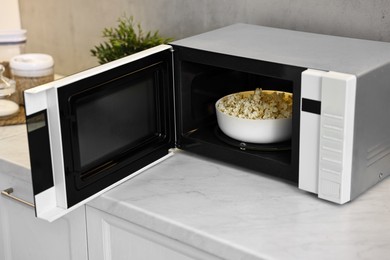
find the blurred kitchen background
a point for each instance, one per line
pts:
(67, 30)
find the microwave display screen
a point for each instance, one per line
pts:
(106, 122)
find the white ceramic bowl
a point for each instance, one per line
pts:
(254, 130)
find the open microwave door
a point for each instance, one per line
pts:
(93, 130)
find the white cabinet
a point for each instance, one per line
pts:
(22, 236)
(113, 238)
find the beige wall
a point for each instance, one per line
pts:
(67, 30)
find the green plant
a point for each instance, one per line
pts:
(127, 38)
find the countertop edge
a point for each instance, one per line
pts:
(177, 231)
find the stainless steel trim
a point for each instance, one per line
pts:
(8, 193)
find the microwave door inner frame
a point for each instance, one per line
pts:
(116, 121)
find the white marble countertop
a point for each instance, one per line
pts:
(236, 214)
(14, 155)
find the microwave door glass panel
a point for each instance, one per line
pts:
(115, 122)
(112, 120)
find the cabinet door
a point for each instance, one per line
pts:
(23, 236)
(110, 237)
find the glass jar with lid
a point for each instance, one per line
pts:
(8, 106)
(12, 43)
(31, 70)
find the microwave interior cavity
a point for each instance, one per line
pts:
(203, 78)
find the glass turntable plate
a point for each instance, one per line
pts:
(269, 147)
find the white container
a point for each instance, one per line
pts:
(31, 70)
(258, 131)
(12, 43)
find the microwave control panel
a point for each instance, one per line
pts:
(326, 134)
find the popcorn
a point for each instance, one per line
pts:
(259, 105)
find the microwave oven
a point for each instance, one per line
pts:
(90, 131)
